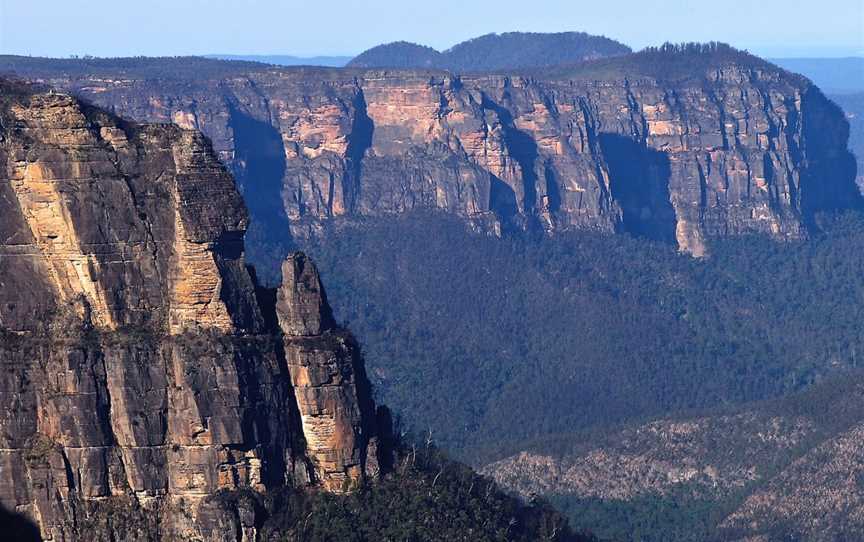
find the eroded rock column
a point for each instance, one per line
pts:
(332, 392)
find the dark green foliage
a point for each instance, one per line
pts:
(649, 518)
(528, 49)
(179, 67)
(669, 62)
(399, 54)
(494, 52)
(516, 339)
(428, 498)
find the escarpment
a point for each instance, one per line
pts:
(143, 367)
(736, 148)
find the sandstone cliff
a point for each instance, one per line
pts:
(735, 147)
(143, 367)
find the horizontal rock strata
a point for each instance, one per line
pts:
(142, 368)
(733, 150)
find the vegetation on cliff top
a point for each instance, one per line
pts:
(139, 67)
(568, 55)
(427, 498)
(668, 62)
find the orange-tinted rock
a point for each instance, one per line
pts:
(733, 151)
(140, 373)
(336, 412)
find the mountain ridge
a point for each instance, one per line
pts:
(493, 52)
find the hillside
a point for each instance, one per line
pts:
(399, 55)
(494, 52)
(754, 470)
(668, 62)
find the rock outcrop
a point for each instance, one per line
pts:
(143, 368)
(737, 147)
(336, 409)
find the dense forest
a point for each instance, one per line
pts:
(668, 62)
(519, 338)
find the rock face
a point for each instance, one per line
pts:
(331, 387)
(142, 367)
(736, 148)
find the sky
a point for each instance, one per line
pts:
(60, 28)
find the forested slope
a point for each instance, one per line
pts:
(513, 339)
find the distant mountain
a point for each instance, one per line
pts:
(523, 49)
(494, 52)
(832, 75)
(399, 54)
(288, 60)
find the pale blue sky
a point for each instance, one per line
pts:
(345, 27)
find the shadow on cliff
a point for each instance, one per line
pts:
(639, 183)
(259, 146)
(359, 141)
(523, 149)
(17, 527)
(829, 169)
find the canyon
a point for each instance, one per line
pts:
(159, 385)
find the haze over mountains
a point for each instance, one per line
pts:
(511, 50)
(288, 60)
(629, 282)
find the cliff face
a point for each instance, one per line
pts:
(733, 150)
(143, 370)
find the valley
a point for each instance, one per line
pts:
(621, 285)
